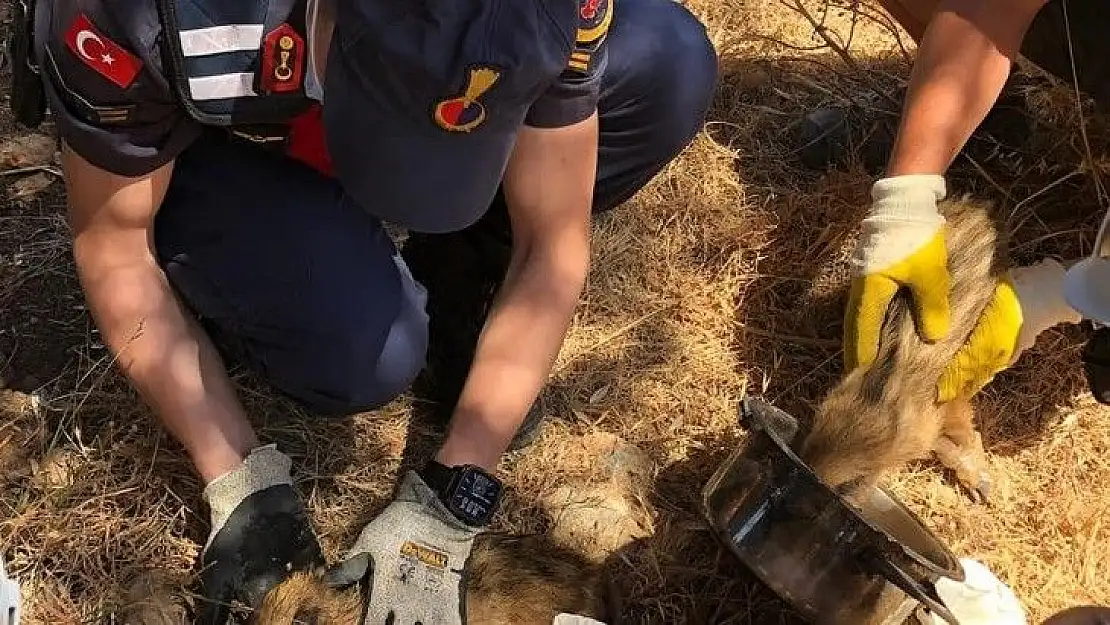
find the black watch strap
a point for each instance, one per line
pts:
(438, 477)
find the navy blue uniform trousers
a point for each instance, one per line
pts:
(294, 280)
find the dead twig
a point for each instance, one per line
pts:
(31, 169)
(789, 338)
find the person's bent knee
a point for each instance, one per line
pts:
(291, 278)
(656, 92)
(674, 66)
(406, 346)
(689, 68)
(352, 368)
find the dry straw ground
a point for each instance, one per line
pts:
(725, 276)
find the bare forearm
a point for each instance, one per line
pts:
(962, 64)
(548, 185)
(523, 334)
(163, 352)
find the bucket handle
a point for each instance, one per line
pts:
(911, 587)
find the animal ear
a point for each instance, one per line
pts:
(349, 572)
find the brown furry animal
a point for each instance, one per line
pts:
(885, 416)
(523, 580)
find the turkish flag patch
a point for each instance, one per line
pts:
(101, 54)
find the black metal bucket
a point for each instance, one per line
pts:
(836, 564)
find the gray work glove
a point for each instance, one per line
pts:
(261, 533)
(415, 553)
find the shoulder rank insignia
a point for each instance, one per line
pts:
(594, 19)
(283, 53)
(464, 113)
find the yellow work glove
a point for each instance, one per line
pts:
(1026, 302)
(901, 245)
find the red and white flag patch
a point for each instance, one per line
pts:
(100, 53)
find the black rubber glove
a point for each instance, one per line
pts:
(1096, 364)
(261, 533)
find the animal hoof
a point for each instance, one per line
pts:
(985, 490)
(980, 492)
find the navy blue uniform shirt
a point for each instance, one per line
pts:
(422, 98)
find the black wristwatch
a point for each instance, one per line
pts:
(469, 492)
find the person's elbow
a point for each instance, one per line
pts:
(550, 189)
(559, 263)
(570, 264)
(102, 200)
(111, 218)
(559, 247)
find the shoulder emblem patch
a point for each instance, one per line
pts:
(595, 16)
(594, 19)
(101, 54)
(464, 113)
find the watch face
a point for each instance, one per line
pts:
(474, 497)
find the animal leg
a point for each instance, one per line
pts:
(960, 448)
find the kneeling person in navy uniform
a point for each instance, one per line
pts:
(229, 168)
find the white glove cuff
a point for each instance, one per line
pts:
(982, 598)
(1040, 291)
(902, 218)
(264, 467)
(912, 197)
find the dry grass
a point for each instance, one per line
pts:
(724, 276)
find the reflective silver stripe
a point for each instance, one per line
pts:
(220, 39)
(222, 86)
(315, 25)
